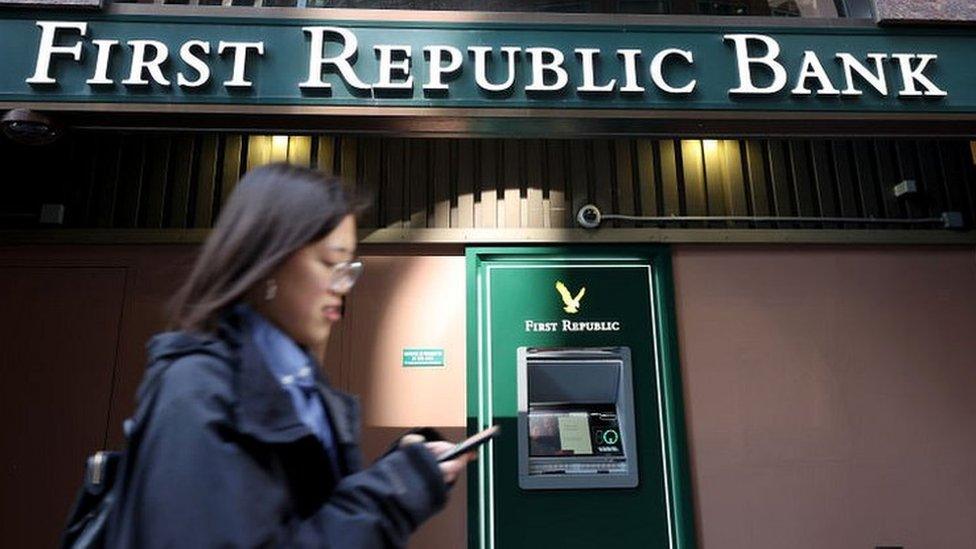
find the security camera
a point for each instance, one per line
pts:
(588, 216)
(29, 127)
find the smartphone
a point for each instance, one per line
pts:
(470, 443)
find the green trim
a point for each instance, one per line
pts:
(671, 391)
(473, 383)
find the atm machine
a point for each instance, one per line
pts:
(588, 396)
(576, 418)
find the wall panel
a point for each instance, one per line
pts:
(828, 395)
(75, 321)
(59, 328)
(179, 181)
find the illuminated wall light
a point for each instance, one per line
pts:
(710, 146)
(279, 148)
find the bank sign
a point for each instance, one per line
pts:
(275, 61)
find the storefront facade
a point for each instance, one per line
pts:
(796, 195)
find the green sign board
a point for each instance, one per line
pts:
(557, 300)
(272, 60)
(427, 358)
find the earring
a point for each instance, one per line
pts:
(270, 289)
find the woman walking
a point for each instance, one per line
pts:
(238, 440)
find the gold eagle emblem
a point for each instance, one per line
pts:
(572, 304)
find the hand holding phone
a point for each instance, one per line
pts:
(470, 443)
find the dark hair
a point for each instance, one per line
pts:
(274, 211)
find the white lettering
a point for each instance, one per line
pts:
(540, 67)
(153, 65)
(744, 64)
(909, 75)
(390, 68)
(237, 79)
(481, 54)
(533, 326)
(101, 62)
(812, 68)
(438, 70)
(186, 54)
(571, 326)
(588, 56)
(630, 71)
(341, 62)
(47, 49)
(875, 79)
(657, 75)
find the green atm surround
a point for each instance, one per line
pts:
(630, 285)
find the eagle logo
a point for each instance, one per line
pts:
(572, 304)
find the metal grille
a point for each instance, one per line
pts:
(778, 8)
(178, 180)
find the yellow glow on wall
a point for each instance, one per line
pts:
(258, 151)
(293, 149)
(279, 148)
(300, 150)
(710, 146)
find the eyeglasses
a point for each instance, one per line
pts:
(345, 275)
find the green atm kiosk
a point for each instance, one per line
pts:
(572, 351)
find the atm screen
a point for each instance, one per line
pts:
(576, 418)
(559, 432)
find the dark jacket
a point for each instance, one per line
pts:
(219, 458)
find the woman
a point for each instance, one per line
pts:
(238, 441)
